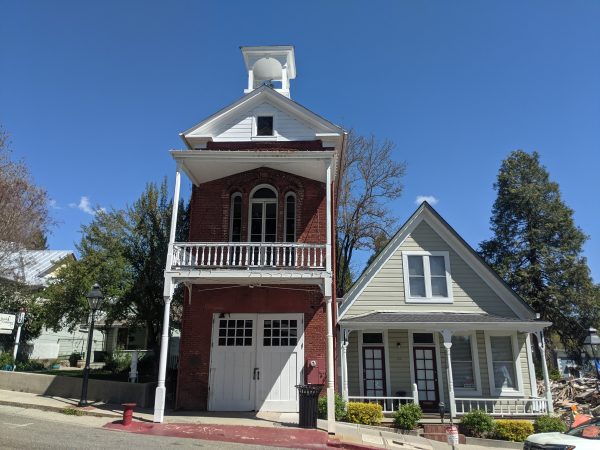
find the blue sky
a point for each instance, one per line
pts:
(94, 94)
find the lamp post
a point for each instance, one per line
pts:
(591, 341)
(95, 299)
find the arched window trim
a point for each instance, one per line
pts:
(268, 200)
(285, 216)
(231, 214)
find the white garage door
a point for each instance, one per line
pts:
(256, 362)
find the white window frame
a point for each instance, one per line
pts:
(475, 363)
(429, 299)
(516, 361)
(263, 202)
(255, 135)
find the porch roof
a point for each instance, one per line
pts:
(441, 320)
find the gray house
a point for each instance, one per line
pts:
(428, 321)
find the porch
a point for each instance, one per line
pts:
(466, 361)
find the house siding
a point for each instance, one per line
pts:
(385, 292)
(240, 126)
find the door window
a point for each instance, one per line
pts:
(374, 371)
(426, 376)
(235, 333)
(280, 333)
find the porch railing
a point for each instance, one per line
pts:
(281, 255)
(503, 406)
(388, 404)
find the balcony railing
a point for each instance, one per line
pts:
(236, 255)
(503, 406)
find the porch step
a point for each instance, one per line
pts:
(437, 432)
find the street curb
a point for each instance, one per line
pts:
(349, 445)
(58, 409)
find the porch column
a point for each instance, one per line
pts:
(447, 335)
(344, 363)
(330, 368)
(542, 345)
(161, 391)
(328, 224)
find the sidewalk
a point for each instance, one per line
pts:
(255, 428)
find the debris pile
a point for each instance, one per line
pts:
(580, 392)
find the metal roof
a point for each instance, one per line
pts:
(32, 267)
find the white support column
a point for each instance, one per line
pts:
(330, 367)
(250, 80)
(548, 393)
(447, 335)
(161, 391)
(344, 362)
(328, 223)
(284, 79)
(174, 213)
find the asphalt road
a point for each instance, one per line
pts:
(22, 428)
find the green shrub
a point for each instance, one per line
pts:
(29, 366)
(364, 413)
(476, 423)
(118, 362)
(549, 424)
(407, 416)
(340, 407)
(555, 375)
(513, 430)
(6, 359)
(73, 358)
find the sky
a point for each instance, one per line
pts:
(94, 94)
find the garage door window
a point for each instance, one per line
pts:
(280, 333)
(235, 333)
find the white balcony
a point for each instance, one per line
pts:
(247, 255)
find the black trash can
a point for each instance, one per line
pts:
(308, 395)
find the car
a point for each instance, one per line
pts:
(585, 436)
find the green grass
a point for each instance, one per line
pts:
(72, 412)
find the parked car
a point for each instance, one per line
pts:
(585, 436)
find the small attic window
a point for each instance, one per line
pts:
(264, 126)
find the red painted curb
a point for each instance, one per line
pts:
(289, 437)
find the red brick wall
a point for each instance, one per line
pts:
(209, 221)
(194, 361)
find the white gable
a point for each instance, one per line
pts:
(291, 122)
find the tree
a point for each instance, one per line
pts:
(536, 248)
(125, 252)
(24, 219)
(370, 178)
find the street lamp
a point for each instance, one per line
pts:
(591, 341)
(95, 299)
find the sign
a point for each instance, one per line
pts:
(7, 323)
(452, 435)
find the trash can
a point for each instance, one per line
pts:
(308, 397)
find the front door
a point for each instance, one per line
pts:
(256, 362)
(426, 377)
(374, 372)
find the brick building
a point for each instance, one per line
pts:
(258, 317)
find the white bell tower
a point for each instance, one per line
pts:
(274, 65)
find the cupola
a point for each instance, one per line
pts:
(273, 65)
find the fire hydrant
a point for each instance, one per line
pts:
(127, 413)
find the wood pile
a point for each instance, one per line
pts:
(580, 392)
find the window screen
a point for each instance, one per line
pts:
(503, 361)
(264, 126)
(462, 362)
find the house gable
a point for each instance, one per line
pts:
(475, 288)
(237, 122)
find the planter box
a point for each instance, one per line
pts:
(114, 392)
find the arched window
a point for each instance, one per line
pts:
(290, 217)
(235, 218)
(263, 214)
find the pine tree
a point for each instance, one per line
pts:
(537, 248)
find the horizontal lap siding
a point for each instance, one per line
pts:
(522, 343)
(352, 361)
(483, 365)
(399, 362)
(239, 128)
(385, 292)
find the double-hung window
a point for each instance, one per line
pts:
(427, 277)
(503, 363)
(465, 368)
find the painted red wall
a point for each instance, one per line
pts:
(194, 361)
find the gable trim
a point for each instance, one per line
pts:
(457, 244)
